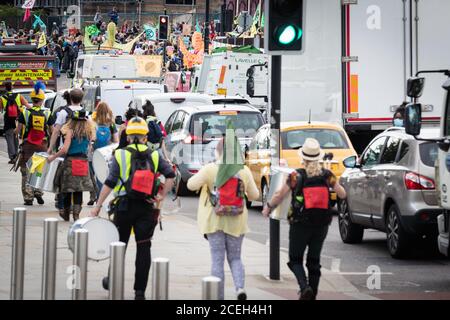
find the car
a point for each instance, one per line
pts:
(392, 188)
(25, 92)
(193, 134)
(332, 138)
(166, 103)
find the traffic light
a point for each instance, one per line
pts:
(163, 30)
(284, 26)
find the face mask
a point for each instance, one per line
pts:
(398, 122)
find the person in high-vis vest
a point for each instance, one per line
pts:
(12, 104)
(33, 127)
(137, 196)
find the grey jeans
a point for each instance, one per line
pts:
(12, 143)
(221, 243)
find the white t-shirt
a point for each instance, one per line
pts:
(61, 119)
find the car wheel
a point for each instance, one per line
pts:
(350, 232)
(397, 238)
(264, 192)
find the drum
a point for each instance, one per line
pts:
(101, 160)
(101, 233)
(277, 181)
(41, 174)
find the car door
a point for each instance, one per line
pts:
(177, 136)
(361, 191)
(383, 183)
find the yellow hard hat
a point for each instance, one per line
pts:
(39, 95)
(137, 126)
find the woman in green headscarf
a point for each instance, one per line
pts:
(222, 214)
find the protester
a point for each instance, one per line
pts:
(309, 216)
(222, 213)
(398, 120)
(12, 105)
(135, 207)
(73, 177)
(33, 127)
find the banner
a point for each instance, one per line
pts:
(149, 65)
(42, 40)
(150, 32)
(28, 4)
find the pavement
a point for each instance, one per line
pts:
(180, 241)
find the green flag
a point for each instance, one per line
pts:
(232, 159)
(262, 21)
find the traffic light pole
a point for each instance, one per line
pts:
(274, 255)
(207, 26)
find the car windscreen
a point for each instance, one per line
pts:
(214, 124)
(164, 108)
(428, 153)
(327, 138)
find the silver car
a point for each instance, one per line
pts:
(193, 133)
(391, 188)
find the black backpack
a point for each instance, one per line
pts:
(155, 134)
(311, 199)
(55, 113)
(143, 180)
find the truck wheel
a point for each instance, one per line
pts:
(397, 238)
(349, 231)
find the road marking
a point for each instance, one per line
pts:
(362, 273)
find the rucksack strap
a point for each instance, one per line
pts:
(301, 176)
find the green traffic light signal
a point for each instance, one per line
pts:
(288, 34)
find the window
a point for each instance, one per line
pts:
(263, 139)
(178, 122)
(181, 2)
(169, 122)
(390, 152)
(328, 139)
(403, 150)
(428, 153)
(372, 155)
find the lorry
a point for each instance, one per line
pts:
(413, 123)
(357, 58)
(225, 74)
(23, 67)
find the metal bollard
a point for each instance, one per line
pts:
(160, 286)
(80, 262)
(117, 272)
(210, 288)
(49, 259)
(18, 253)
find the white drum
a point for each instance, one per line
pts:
(101, 233)
(101, 159)
(277, 180)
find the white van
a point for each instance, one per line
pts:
(117, 94)
(165, 104)
(90, 66)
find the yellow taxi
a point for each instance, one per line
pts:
(332, 138)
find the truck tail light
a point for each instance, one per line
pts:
(414, 181)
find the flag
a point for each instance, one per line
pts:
(92, 30)
(42, 40)
(262, 21)
(28, 4)
(255, 24)
(38, 21)
(197, 26)
(26, 15)
(150, 32)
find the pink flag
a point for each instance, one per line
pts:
(26, 15)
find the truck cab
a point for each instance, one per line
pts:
(413, 121)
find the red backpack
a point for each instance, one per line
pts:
(12, 110)
(228, 200)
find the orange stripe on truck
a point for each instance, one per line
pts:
(354, 93)
(222, 74)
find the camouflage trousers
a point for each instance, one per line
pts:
(28, 192)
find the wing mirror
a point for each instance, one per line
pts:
(414, 87)
(413, 119)
(351, 162)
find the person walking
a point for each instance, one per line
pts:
(309, 215)
(33, 127)
(134, 179)
(12, 104)
(73, 177)
(222, 213)
(106, 134)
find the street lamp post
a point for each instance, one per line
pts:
(207, 27)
